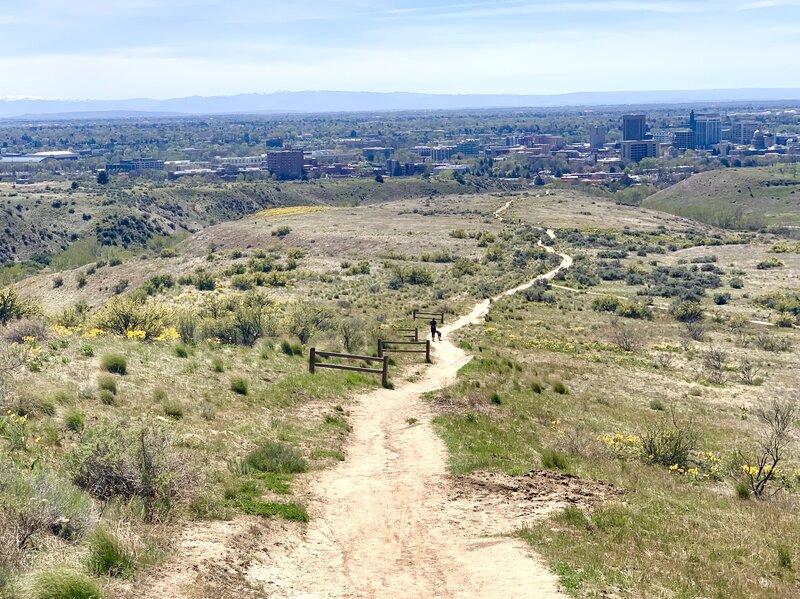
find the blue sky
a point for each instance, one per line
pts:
(108, 49)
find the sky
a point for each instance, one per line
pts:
(115, 49)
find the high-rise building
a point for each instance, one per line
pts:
(597, 136)
(708, 130)
(286, 164)
(743, 132)
(634, 151)
(633, 127)
(683, 139)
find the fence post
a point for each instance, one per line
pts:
(414, 315)
(442, 318)
(428, 351)
(380, 348)
(416, 334)
(312, 358)
(385, 374)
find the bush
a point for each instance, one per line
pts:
(239, 385)
(65, 584)
(277, 458)
(628, 309)
(125, 461)
(107, 383)
(605, 303)
(204, 281)
(217, 364)
(771, 262)
(124, 314)
(721, 299)
(736, 283)
(560, 388)
(107, 557)
(180, 351)
(282, 231)
(107, 398)
(173, 409)
(553, 460)
(73, 421)
(687, 311)
(115, 364)
(669, 445)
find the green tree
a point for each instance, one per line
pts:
(102, 178)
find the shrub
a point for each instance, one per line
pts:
(107, 383)
(123, 314)
(669, 445)
(742, 490)
(158, 284)
(495, 399)
(180, 351)
(217, 364)
(204, 281)
(58, 282)
(73, 421)
(120, 286)
(86, 350)
(25, 330)
(65, 584)
(537, 387)
(172, 409)
(785, 320)
(687, 311)
(277, 458)
(362, 268)
(560, 388)
(605, 303)
(282, 231)
(115, 364)
(107, 557)
(239, 385)
(721, 299)
(553, 460)
(657, 404)
(107, 398)
(628, 309)
(771, 262)
(773, 343)
(736, 283)
(126, 461)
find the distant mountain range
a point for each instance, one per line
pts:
(337, 101)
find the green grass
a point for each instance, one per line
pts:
(277, 458)
(107, 557)
(65, 584)
(114, 363)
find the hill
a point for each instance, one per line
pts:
(743, 198)
(350, 101)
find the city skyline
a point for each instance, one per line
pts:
(144, 48)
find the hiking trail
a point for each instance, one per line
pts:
(388, 522)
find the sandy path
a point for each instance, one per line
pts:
(383, 523)
(386, 523)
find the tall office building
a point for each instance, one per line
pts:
(633, 127)
(634, 151)
(708, 130)
(286, 164)
(743, 132)
(597, 137)
(683, 139)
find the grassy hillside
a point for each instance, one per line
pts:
(42, 223)
(131, 413)
(745, 198)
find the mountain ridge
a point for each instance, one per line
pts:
(344, 101)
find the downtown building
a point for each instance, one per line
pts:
(707, 130)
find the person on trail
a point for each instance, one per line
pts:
(434, 331)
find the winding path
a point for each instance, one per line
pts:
(387, 523)
(383, 523)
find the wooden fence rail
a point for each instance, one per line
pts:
(383, 371)
(413, 334)
(383, 349)
(425, 315)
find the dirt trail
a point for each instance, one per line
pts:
(389, 522)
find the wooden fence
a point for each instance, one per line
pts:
(383, 349)
(426, 315)
(383, 371)
(412, 334)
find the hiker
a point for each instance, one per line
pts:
(435, 332)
